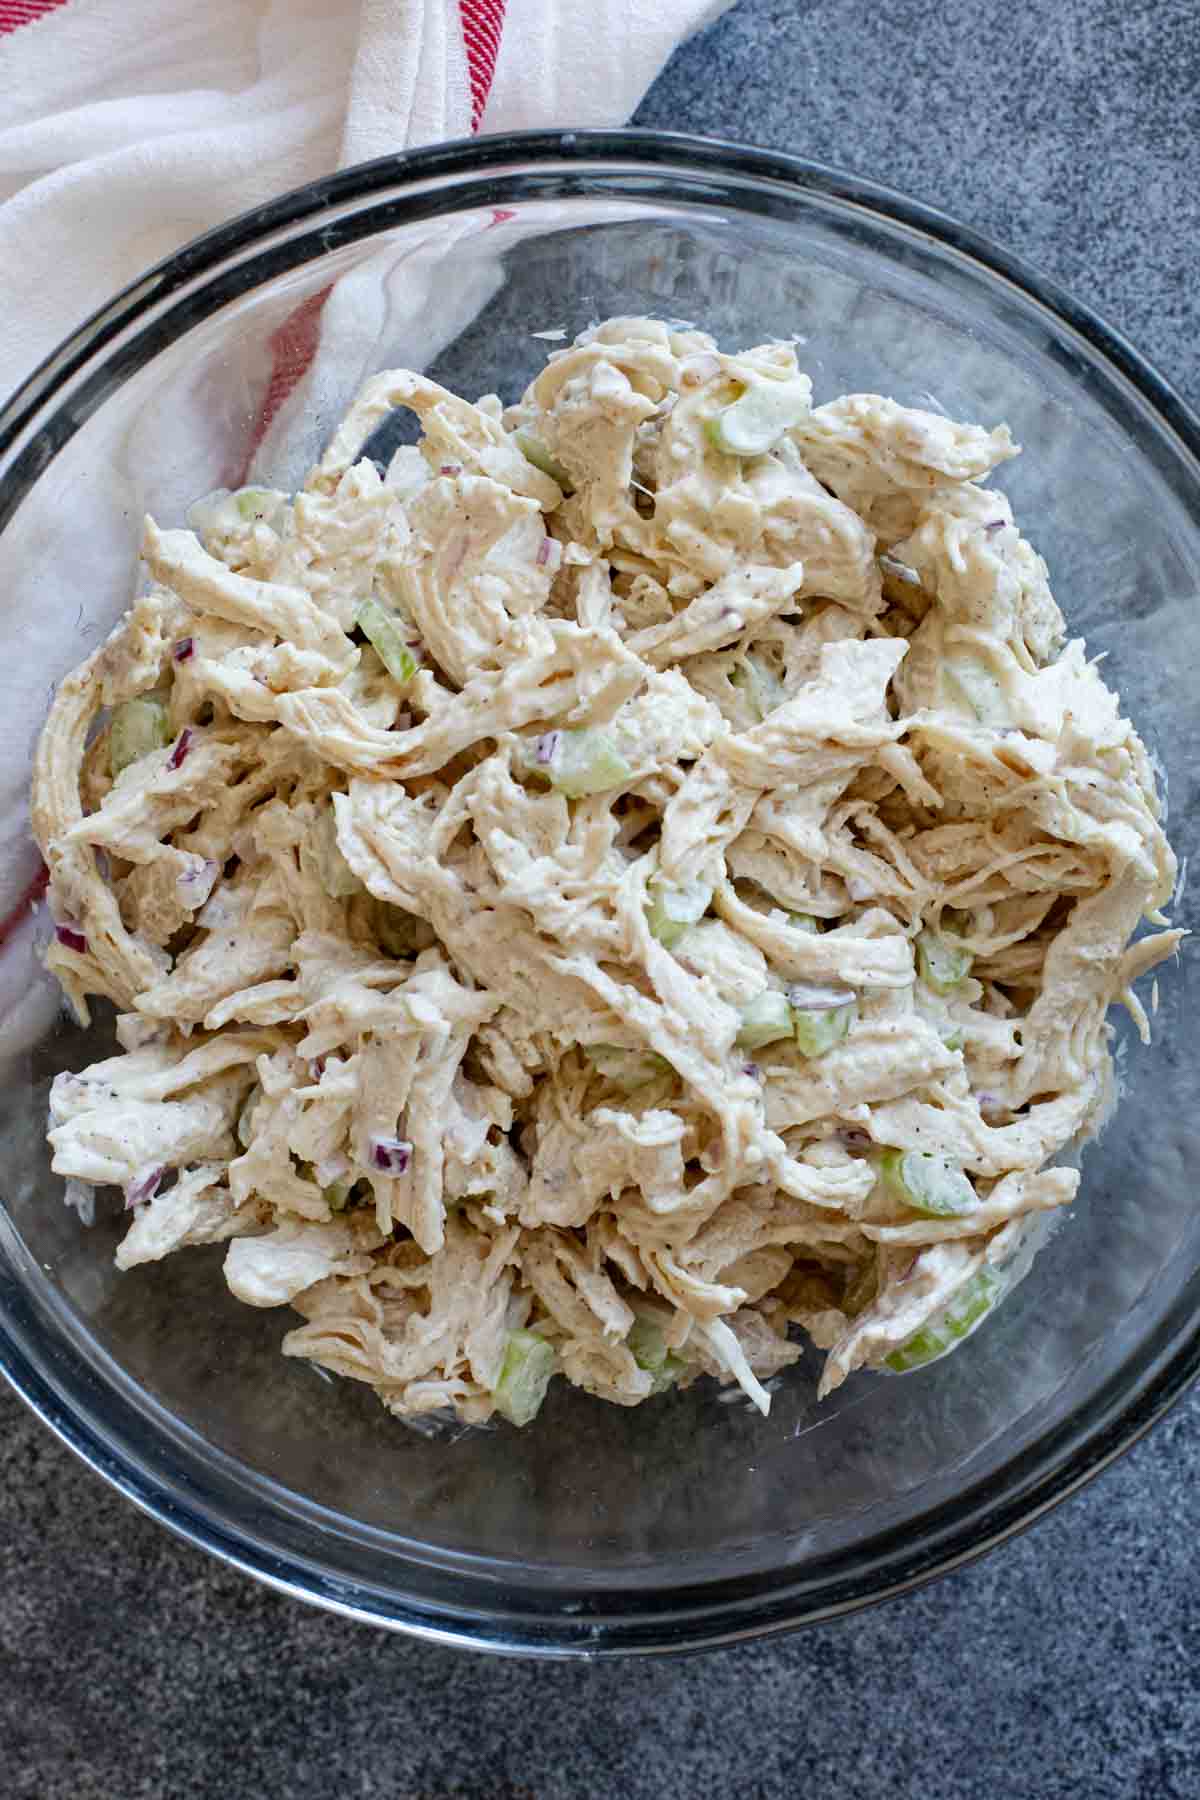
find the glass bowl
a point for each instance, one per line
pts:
(690, 1521)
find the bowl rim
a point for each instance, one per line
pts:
(727, 1609)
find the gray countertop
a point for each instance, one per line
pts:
(1065, 1664)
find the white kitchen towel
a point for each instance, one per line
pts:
(129, 126)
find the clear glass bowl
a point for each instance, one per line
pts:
(689, 1521)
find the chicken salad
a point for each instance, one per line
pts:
(635, 882)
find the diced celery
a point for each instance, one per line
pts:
(804, 922)
(646, 1345)
(972, 684)
(386, 632)
(765, 1020)
(626, 1069)
(761, 688)
(759, 417)
(255, 503)
(672, 910)
(940, 962)
(930, 1185)
(946, 1329)
(585, 762)
(953, 1040)
(138, 726)
(336, 1195)
(524, 1376)
(534, 451)
(818, 1032)
(333, 871)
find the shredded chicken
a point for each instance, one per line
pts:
(606, 895)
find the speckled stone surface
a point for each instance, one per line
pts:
(1066, 1664)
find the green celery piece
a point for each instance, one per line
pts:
(805, 922)
(672, 910)
(759, 417)
(627, 1069)
(333, 871)
(525, 1373)
(765, 1020)
(940, 962)
(586, 762)
(977, 688)
(947, 1329)
(336, 1195)
(649, 1351)
(534, 451)
(818, 1032)
(254, 503)
(138, 727)
(762, 689)
(953, 1040)
(386, 632)
(930, 1185)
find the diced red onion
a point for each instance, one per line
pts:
(905, 1274)
(184, 650)
(995, 525)
(809, 997)
(183, 744)
(317, 1067)
(752, 1069)
(196, 883)
(450, 469)
(391, 1155)
(71, 938)
(854, 1139)
(143, 1187)
(546, 747)
(988, 1102)
(547, 549)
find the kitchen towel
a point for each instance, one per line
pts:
(129, 126)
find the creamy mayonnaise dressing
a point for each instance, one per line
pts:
(640, 873)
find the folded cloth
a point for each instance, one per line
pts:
(130, 126)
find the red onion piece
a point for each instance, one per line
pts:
(391, 1155)
(854, 1139)
(71, 938)
(450, 469)
(195, 884)
(143, 1187)
(995, 525)
(183, 744)
(546, 747)
(752, 1069)
(184, 650)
